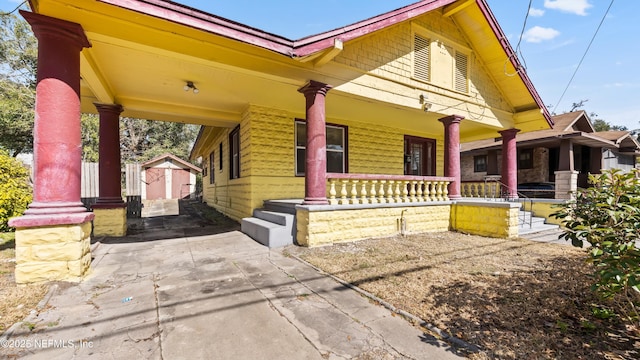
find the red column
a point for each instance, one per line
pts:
(452, 152)
(110, 189)
(315, 192)
(510, 163)
(57, 146)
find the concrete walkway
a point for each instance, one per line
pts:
(211, 296)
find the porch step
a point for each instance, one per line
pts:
(282, 206)
(538, 224)
(526, 217)
(270, 228)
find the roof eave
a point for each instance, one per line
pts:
(513, 57)
(323, 41)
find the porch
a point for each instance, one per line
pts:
(249, 97)
(364, 206)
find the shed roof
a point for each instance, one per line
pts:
(171, 157)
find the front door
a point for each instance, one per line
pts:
(419, 156)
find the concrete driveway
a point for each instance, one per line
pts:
(204, 290)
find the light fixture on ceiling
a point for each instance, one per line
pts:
(191, 86)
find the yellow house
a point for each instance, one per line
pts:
(362, 123)
(385, 83)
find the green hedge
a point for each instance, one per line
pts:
(15, 190)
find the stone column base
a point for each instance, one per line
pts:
(566, 184)
(53, 253)
(110, 222)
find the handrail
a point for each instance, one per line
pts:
(520, 198)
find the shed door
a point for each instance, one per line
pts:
(156, 188)
(180, 184)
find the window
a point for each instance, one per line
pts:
(480, 163)
(525, 159)
(336, 148)
(440, 62)
(422, 62)
(220, 152)
(234, 153)
(461, 73)
(212, 165)
(204, 168)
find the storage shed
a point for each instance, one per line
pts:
(168, 177)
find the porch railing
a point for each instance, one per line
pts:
(347, 189)
(481, 189)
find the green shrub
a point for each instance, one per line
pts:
(15, 191)
(607, 216)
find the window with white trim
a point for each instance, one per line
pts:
(336, 148)
(441, 63)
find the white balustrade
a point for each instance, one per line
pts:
(480, 189)
(345, 189)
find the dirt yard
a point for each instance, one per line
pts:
(515, 299)
(15, 301)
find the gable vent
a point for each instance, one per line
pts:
(461, 80)
(421, 66)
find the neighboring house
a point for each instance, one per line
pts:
(563, 155)
(168, 177)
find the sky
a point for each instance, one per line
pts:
(555, 39)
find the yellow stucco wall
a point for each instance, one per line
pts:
(267, 151)
(489, 219)
(50, 253)
(317, 228)
(545, 209)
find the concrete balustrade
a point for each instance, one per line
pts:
(481, 189)
(347, 189)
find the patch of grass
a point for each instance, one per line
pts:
(515, 299)
(15, 301)
(29, 325)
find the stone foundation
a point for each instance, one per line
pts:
(110, 222)
(53, 253)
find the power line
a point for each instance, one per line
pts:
(517, 49)
(583, 56)
(14, 10)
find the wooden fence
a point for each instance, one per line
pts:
(90, 185)
(133, 191)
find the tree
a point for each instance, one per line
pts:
(16, 117)
(603, 125)
(607, 216)
(140, 139)
(18, 62)
(18, 50)
(90, 137)
(144, 139)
